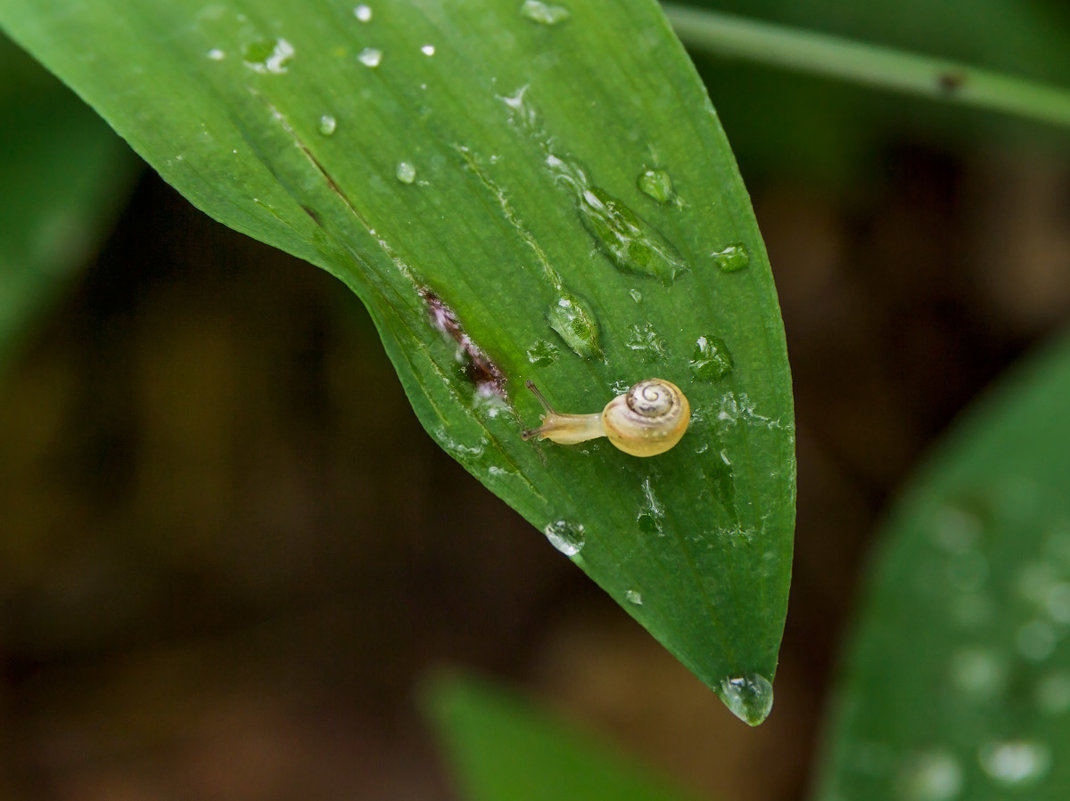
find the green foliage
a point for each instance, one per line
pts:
(445, 162)
(63, 173)
(957, 684)
(501, 747)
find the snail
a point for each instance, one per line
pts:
(648, 419)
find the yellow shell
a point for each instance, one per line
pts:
(648, 419)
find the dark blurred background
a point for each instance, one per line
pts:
(225, 564)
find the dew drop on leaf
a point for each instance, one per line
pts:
(711, 358)
(567, 537)
(731, 259)
(544, 13)
(268, 56)
(543, 353)
(327, 124)
(656, 184)
(575, 324)
(405, 172)
(370, 57)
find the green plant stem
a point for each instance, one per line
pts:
(883, 67)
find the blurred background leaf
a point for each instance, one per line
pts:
(65, 175)
(500, 746)
(837, 132)
(957, 682)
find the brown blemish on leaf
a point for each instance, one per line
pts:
(478, 367)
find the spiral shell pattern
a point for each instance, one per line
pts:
(648, 419)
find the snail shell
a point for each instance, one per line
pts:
(648, 419)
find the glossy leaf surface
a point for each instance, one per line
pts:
(517, 191)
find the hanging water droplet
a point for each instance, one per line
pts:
(631, 243)
(575, 324)
(428, 49)
(215, 54)
(931, 776)
(633, 597)
(644, 339)
(711, 359)
(565, 536)
(544, 13)
(363, 13)
(657, 184)
(370, 57)
(327, 124)
(732, 258)
(405, 172)
(1052, 693)
(543, 353)
(1015, 762)
(268, 56)
(637, 296)
(749, 697)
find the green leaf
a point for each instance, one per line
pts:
(63, 173)
(957, 683)
(476, 174)
(499, 747)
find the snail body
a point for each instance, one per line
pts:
(648, 419)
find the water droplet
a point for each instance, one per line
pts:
(363, 13)
(370, 57)
(978, 672)
(544, 13)
(327, 124)
(543, 353)
(711, 359)
(633, 597)
(268, 56)
(932, 776)
(652, 513)
(645, 340)
(565, 536)
(215, 54)
(631, 243)
(1036, 640)
(1052, 693)
(576, 326)
(731, 259)
(1015, 762)
(749, 697)
(405, 172)
(657, 184)
(428, 49)
(637, 296)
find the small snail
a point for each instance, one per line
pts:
(646, 420)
